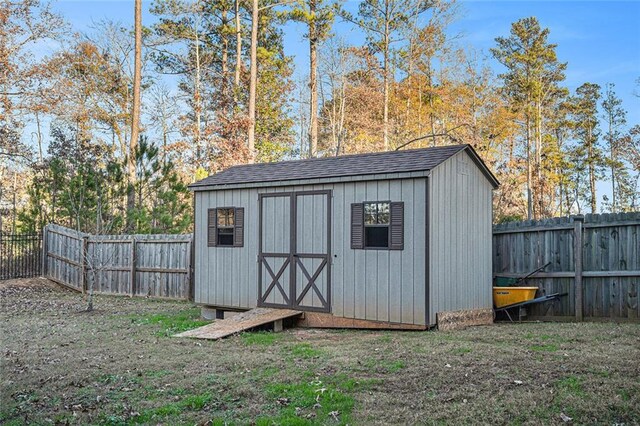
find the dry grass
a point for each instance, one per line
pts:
(116, 365)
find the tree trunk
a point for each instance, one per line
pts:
(592, 174)
(539, 186)
(165, 132)
(409, 80)
(225, 101)
(419, 107)
(253, 83)
(385, 76)
(385, 81)
(14, 208)
(197, 98)
(313, 81)
(39, 136)
(612, 159)
(135, 114)
(225, 48)
(236, 79)
(432, 116)
(529, 171)
(342, 114)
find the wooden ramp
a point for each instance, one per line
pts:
(241, 322)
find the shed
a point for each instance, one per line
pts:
(381, 240)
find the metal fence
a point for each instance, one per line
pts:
(136, 265)
(20, 255)
(595, 259)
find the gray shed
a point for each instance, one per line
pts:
(382, 240)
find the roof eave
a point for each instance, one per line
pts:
(483, 167)
(313, 181)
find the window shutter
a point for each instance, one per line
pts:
(357, 226)
(396, 231)
(212, 221)
(238, 230)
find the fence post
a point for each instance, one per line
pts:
(83, 262)
(190, 268)
(133, 266)
(577, 253)
(44, 251)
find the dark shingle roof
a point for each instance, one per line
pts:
(329, 167)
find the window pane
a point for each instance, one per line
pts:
(376, 236)
(225, 236)
(383, 213)
(225, 217)
(369, 213)
(222, 217)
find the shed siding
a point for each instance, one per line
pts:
(381, 285)
(215, 266)
(459, 237)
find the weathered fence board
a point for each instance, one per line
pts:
(62, 255)
(137, 265)
(595, 259)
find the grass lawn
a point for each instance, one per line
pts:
(118, 365)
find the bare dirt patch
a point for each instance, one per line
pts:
(117, 365)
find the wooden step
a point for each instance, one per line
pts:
(241, 322)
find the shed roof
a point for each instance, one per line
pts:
(411, 160)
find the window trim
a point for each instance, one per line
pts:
(396, 236)
(377, 225)
(232, 228)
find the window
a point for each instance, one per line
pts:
(225, 227)
(376, 225)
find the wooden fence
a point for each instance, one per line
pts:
(595, 259)
(136, 265)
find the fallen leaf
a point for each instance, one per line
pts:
(565, 418)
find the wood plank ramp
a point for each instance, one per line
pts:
(241, 322)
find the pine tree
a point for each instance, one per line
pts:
(588, 151)
(531, 84)
(614, 117)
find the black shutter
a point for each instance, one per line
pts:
(396, 231)
(238, 229)
(357, 226)
(212, 221)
